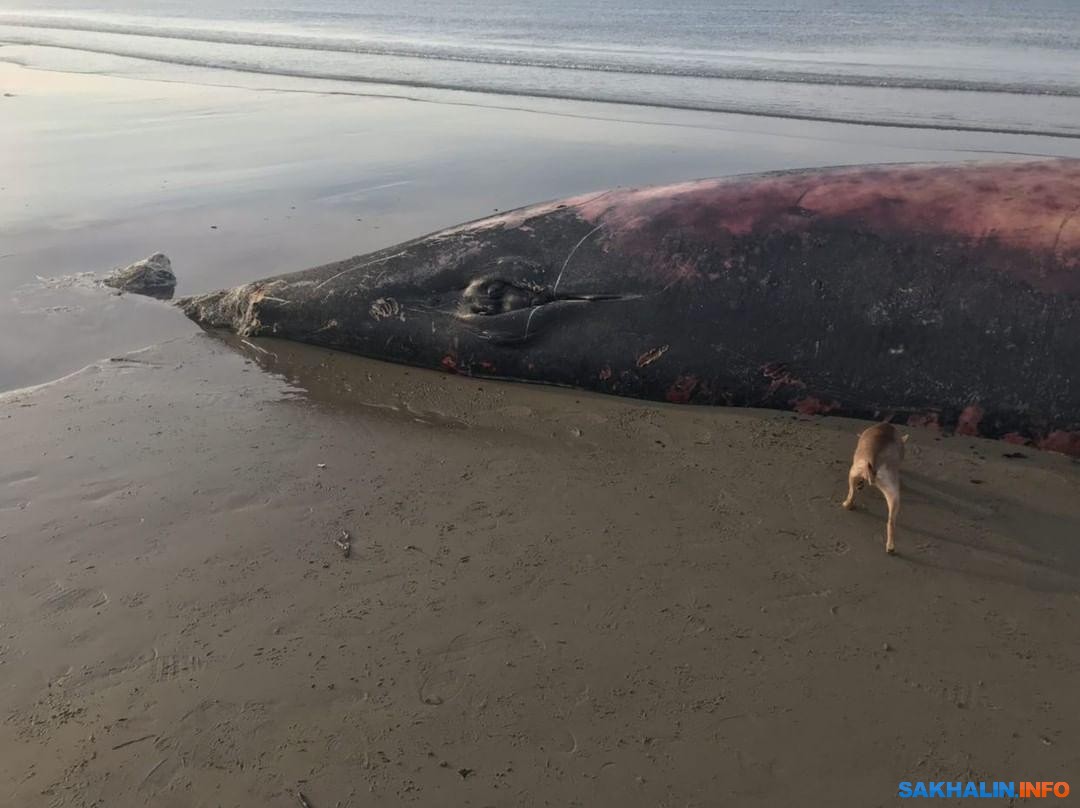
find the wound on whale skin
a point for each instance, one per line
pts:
(942, 295)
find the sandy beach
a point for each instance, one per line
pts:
(552, 598)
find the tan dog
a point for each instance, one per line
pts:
(877, 459)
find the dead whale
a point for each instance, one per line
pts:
(938, 295)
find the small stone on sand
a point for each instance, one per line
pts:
(151, 276)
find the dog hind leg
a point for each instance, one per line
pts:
(852, 480)
(889, 483)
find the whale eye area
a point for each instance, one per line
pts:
(491, 296)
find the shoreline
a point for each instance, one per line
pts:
(204, 182)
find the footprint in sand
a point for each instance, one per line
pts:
(445, 673)
(58, 597)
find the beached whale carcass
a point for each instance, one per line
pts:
(943, 295)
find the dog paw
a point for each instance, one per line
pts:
(890, 550)
(848, 505)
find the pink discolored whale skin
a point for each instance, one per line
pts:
(939, 295)
(1025, 209)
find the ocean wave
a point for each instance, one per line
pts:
(745, 106)
(599, 61)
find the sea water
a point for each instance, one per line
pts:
(992, 65)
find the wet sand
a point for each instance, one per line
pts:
(552, 598)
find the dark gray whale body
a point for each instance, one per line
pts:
(946, 296)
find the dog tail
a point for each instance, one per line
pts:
(871, 475)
